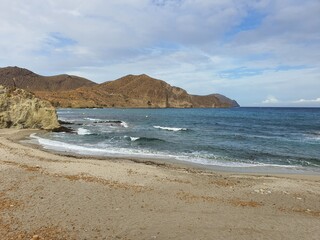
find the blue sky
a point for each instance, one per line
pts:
(259, 52)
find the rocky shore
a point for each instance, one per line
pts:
(21, 109)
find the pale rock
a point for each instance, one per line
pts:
(21, 109)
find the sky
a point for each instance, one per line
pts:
(258, 52)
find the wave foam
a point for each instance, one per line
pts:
(92, 119)
(98, 149)
(312, 137)
(144, 139)
(107, 150)
(171, 128)
(317, 135)
(124, 124)
(83, 131)
(134, 139)
(111, 122)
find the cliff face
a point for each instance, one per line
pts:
(21, 109)
(214, 101)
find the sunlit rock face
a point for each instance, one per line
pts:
(21, 109)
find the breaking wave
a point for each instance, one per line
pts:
(174, 129)
(144, 139)
(107, 150)
(108, 122)
(83, 131)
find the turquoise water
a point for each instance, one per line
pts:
(232, 138)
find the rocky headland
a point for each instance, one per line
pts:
(21, 109)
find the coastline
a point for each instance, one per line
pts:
(24, 138)
(48, 194)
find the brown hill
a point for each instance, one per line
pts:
(134, 91)
(25, 79)
(213, 100)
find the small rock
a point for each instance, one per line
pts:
(35, 237)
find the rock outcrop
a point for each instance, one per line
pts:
(21, 109)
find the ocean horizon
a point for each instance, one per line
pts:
(267, 139)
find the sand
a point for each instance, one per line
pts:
(48, 196)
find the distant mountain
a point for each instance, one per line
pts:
(131, 91)
(25, 79)
(213, 100)
(135, 91)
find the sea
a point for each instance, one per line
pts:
(268, 140)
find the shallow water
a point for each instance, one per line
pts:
(238, 137)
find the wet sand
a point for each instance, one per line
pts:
(48, 196)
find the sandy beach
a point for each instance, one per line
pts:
(48, 196)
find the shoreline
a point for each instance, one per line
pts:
(175, 163)
(53, 196)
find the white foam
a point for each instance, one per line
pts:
(68, 120)
(317, 135)
(83, 131)
(134, 138)
(92, 119)
(312, 137)
(62, 146)
(99, 149)
(63, 119)
(171, 128)
(103, 149)
(124, 124)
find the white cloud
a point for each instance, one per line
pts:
(189, 43)
(273, 101)
(270, 100)
(317, 100)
